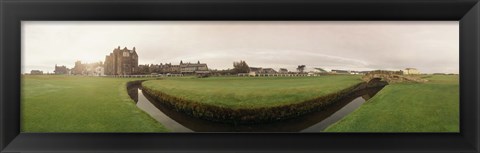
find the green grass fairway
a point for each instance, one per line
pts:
(408, 107)
(252, 92)
(81, 104)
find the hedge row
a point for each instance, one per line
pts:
(253, 115)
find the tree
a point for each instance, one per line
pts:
(143, 69)
(240, 67)
(301, 68)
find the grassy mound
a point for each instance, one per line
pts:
(249, 92)
(241, 100)
(81, 104)
(408, 107)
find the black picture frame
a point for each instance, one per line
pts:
(15, 11)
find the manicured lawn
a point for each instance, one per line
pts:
(81, 104)
(252, 92)
(408, 107)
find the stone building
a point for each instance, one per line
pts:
(91, 69)
(191, 68)
(61, 69)
(94, 69)
(79, 68)
(36, 72)
(169, 68)
(121, 62)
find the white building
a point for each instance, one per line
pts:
(410, 71)
(99, 71)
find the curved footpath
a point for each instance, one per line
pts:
(254, 115)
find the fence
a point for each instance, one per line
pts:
(238, 75)
(145, 76)
(277, 75)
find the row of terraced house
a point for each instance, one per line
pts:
(125, 62)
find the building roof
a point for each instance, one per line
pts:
(125, 49)
(320, 69)
(192, 64)
(340, 71)
(255, 68)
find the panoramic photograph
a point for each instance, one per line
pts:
(240, 76)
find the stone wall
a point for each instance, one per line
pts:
(392, 77)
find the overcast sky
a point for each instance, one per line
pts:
(367, 45)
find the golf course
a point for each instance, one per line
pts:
(408, 107)
(62, 103)
(52, 103)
